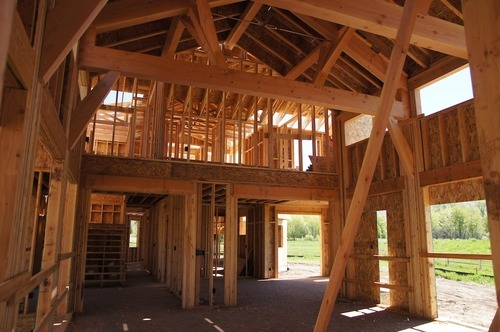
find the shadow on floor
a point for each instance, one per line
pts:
(263, 305)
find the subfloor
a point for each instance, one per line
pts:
(263, 305)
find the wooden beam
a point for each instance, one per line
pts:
(402, 147)
(88, 106)
(173, 37)
(7, 9)
(137, 184)
(482, 30)
(211, 77)
(333, 55)
(21, 56)
(132, 12)
(456, 172)
(305, 63)
(65, 24)
(430, 32)
(204, 23)
(52, 133)
(231, 248)
(365, 177)
(239, 29)
(189, 249)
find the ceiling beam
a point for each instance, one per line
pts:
(381, 18)
(333, 55)
(173, 37)
(88, 106)
(307, 62)
(65, 24)
(126, 13)
(185, 73)
(243, 23)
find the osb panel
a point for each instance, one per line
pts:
(367, 270)
(453, 137)
(434, 142)
(470, 122)
(234, 174)
(388, 152)
(43, 159)
(106, 199)
(124, 166)
(455, 192)
(396, 241)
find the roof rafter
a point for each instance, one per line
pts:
(430, 32)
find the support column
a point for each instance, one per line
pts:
(231, 248)
(189, 250)
(270, 245)
(482, 32)
(52, 241)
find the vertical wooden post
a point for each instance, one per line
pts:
(299, 119)
(82, 225)
(270, 245)
(53, 236)
(313, 128)
(68, 227)
(482, 32)
(255, 132)
(231, 248)
(365, 177)
(189, 250)
(7, 9)
(270, 133)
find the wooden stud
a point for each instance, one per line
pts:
(189, 250)
(230, 248)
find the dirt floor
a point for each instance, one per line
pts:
(468, 304)
(288, 304)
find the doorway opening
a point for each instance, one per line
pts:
(299, 246)
(462, 263)
(383, 265)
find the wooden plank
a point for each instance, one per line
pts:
(282, 193)
(204, 25)
(394, 71)
(88, 106)
(193, 74)
(134, 184)
(464, 142)
(173, 37)
(231, 248)
(430, 32)
(483, 40)
(21, 56)
(402, 147)
(132, 12)
(64, 26)
(12, 122)
(189, 250)
(455, 255)
(52, 132)
(10, 286)
(381, 187)
(457, 172)
(306, 62)
(7, 9)
(53, 237)
(239, 29)
(333, 54)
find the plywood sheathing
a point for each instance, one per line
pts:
(455, 192)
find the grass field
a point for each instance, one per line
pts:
(307, 251)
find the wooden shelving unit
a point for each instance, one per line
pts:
(106, 251)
